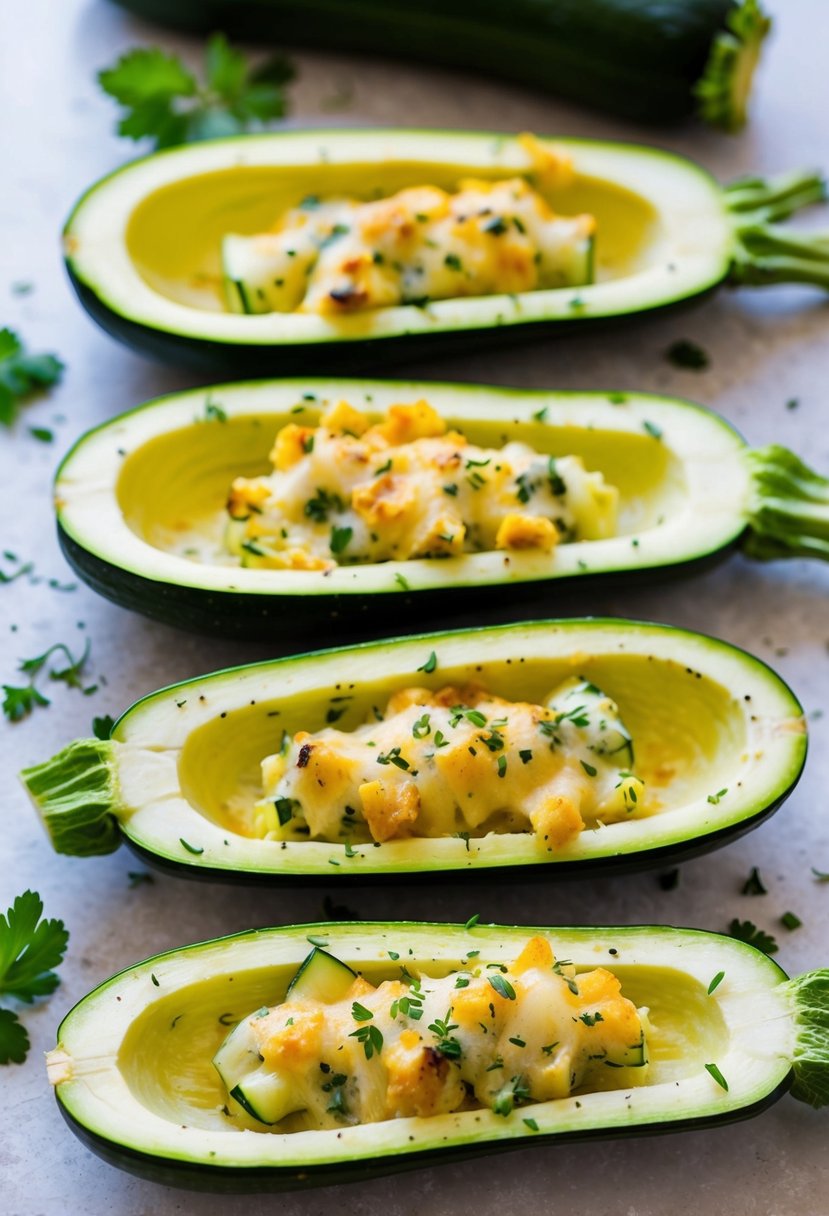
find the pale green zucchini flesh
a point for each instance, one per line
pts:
(133, 1073)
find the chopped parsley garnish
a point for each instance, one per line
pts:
(687, 355)
(470, 924)
(717, 1075)
(531, 1124)
(503, 987)
(715, 798)
(383, 468)
(163, 101)
(284, 810)
(453, 262)
(360, 1013)
(754, 885)
(401, 582)
(29, 950)
(502, 766)
(747, 932)
(790, 921)
(308, 444)
(496, 226)
(195, 849)
(451, 490)
(22, 374)
(540, 415)
(318, 507)
(431, 663)
(392, 756)
(652, 429)
(558, 486)
(589, 768)
(716, 981)
(19, 701)
(340, 539)
(213, 412)
(421, 728)
(525, 755)
(371, 1038)
(518, 1090)
(590, 1019)
(102, 726)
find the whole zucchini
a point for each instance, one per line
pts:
(139, 501)
(650, 62)
(143, 245)
(179, 781)
(133, 1076)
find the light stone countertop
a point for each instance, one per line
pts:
(766, 348)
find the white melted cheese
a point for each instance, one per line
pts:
(457, 761)
(341, 255)
(348, 491)
(487, 1036)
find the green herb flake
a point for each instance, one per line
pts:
(452, 262)
(502, 766)
(525, 755)
(754, 885)
(431, 663)
(471, 923)
(715, 798)
(717, 1075)
(196, 850)
(652, 429)
(503, 987)
(687, 355)
(340, 539)
(402, 582)
(589, 768)
(531, 1124)
(789, 920)
(716, 981)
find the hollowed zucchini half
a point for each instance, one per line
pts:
(133, 1074)
(143, 244)
(141, 505)
(718, 738)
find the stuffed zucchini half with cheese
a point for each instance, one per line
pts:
(245, 1064)
(281, 252)
(283, 508)
(554, 747)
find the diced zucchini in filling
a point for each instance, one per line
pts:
(341, 255)
(322, 977)
(350, 491)
(457, 761)
(487, 1035)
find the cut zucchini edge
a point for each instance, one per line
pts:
(723, 90)
(85, 811)
(794, 1052)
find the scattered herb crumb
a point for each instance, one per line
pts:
(754, 884)
(431, 663)
(745, 931)
(789, 920)
(716, 981)
(20, 700)
(687, 355)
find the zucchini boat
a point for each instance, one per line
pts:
(143, 245)
(718, 740)
(728, 1035)
(141, 504)
(650, 63)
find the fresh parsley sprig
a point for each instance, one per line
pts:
(163, 101)
(20, 700)
(29, 950)
(22, 374)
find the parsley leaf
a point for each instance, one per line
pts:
(166, 103)
(22, 374)
(29, 949)
(19, 701)
(747, 932)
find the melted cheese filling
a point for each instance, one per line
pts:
(406, 487)
(488, 1036)
(458, 760)
(341, 255)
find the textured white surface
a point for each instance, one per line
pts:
(766, 348)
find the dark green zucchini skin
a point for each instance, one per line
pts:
(246, 361)
(308, 620)
(258, 1179)
(664, 857)
(633, 59)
